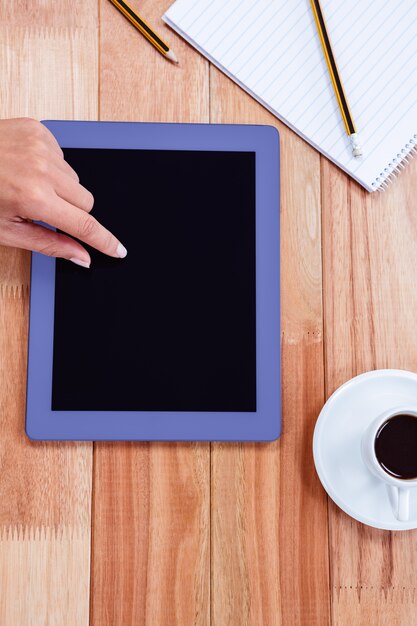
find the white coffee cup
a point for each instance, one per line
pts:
(400, 486)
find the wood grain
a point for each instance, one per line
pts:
(139, 84)
(48, 70)
(369, 254)
(241, 536)
(151, 511)
(269, 527)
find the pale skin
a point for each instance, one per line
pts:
(37, 184)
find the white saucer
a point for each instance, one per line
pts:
(337, 439)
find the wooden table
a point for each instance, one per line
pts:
(196, 534)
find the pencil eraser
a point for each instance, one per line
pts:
(356, 146)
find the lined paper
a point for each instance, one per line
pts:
(271, 48)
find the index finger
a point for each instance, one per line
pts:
(51, 139)
(83, 226)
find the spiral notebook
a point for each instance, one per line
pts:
(271, 48)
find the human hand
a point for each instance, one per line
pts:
(36, 183)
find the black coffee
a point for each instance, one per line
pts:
(396, 446)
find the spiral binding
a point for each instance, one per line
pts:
(398, 164)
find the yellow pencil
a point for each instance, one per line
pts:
(146, 30)
(334, 75)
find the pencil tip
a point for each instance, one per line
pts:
(172, 56)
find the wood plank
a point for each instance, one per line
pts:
(151, 500)
(139, 84)
(269, 514)
(370, 302)
(47, 71)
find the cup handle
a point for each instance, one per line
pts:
(403, 508)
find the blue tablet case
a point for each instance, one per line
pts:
(264, 424)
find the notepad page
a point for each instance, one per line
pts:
(272, 49)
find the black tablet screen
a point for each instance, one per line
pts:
(172, 326)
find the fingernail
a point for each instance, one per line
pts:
(121, 251)
(80, 262)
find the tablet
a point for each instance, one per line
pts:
(181, 339)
